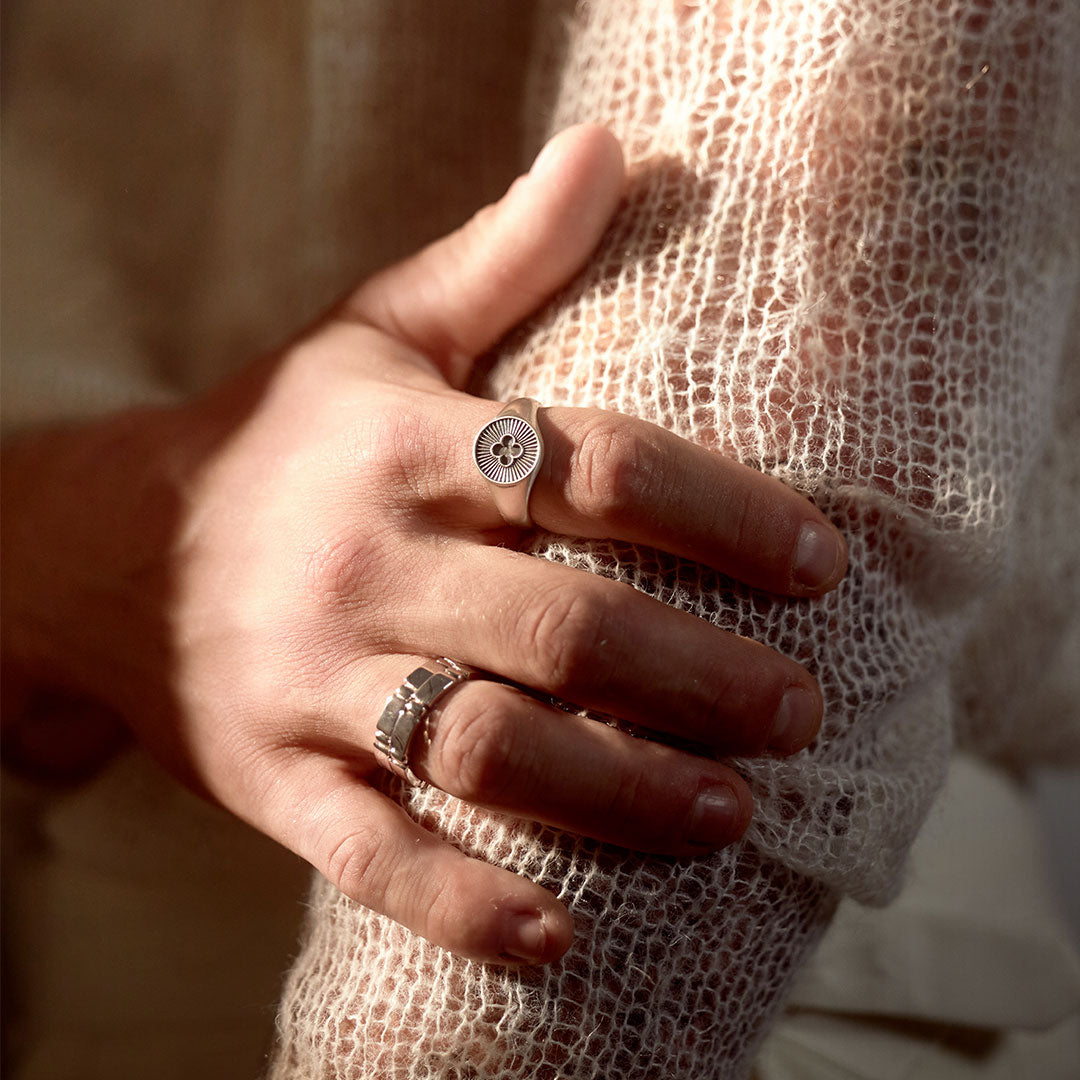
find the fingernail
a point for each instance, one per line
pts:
(817, 555)
(796, 721)
(524, 937)
(715, 818)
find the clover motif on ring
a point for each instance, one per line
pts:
(507, 450)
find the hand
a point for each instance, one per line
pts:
(249, 576)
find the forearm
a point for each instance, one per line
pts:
(93, 519)
(85, 509)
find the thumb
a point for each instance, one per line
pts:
(457, 297)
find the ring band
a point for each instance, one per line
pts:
(508, 451)
(406, 712)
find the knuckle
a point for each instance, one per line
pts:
(744, 693)
(309, 367)
(611, 472)
(352, 866)
(622, 800)
(755, 519)
(437, 909)
(477, 753)
(564, 633)
(747, 522)
(333, 570)
(392, 448)
(345, 577)
(639, 812)
(322, 365)
(743, 518)
(440, 904)
(385, 435)
(477, 230)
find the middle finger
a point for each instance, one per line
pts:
(603, 645)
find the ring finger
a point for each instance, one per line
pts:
(494, 746)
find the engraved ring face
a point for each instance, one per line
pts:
(507, 450)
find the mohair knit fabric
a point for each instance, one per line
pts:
(847, 257)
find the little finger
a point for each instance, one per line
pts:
(371, 850)
(493, 745)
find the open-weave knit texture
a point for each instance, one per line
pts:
(847, 257)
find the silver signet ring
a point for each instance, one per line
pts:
(508, 451)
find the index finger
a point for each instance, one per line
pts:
(605, 475)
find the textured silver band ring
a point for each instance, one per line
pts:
(508, 451)
(406, 712)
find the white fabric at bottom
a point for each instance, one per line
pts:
(971, 973)
(810, 1046)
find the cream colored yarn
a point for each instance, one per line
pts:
(847, 257)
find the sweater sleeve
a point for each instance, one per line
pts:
(847, 257)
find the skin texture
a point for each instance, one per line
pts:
(245, 578)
